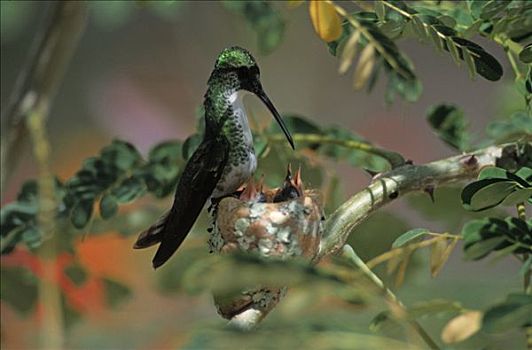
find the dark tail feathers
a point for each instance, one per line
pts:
(166, 232)
(152, 235)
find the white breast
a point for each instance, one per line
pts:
(236, 176)
(237, 102)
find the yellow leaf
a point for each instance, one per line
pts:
(325, 20)
(292, 4)
(462, 327)
(364, 67)
(348, 52)
(436, 255)
(440, 253)
(400, 276)
(393, 263)
(364, 4)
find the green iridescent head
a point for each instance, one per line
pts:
(235, 57)
(235, 69)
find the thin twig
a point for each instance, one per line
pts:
(349, 253)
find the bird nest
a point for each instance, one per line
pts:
(283, 222)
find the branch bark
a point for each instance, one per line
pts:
(394, 184)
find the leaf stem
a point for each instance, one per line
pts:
(399, 251)
(10, 237)
(349, 253)
(513, 63)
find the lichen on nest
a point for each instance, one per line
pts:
(284, 222)
(280, 222)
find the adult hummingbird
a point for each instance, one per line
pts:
(224, 160)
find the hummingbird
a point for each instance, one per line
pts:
(224, 160)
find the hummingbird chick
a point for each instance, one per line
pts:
(252, 192)
(292, 187)
(224, 160)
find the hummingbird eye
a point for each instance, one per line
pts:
(254, 71)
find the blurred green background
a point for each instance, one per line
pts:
(139, 74)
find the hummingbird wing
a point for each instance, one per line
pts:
(198, 180)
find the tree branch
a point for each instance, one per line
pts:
(39, 79)
(391, 185)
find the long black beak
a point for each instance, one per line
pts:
(264, 98)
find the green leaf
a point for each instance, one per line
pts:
(354, 157)
(409, 89)
(441, 34)
(81, 213)
(19, 289)
(128, 190)
(29, 192)
(515, 312)
(265, 20)
(483, 236)
(32, 237)
(436, 39)
(486, 65)
(190, 145)
(115, 292)
(449, 123)
(433, 307)
(520, 195)
(470, 62)
(487, 193)
(161, 173)
(166, 152)
(419, 28)
(380, 10)
(121, 154)
(525, 173)
(451, 47)
(297, 124)
(492, 8)
(518, 125)
(492, 172)
(380, 321)
(407, 237)
(483, 248)
(108, 206)
(76, 274)
(475, 7)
